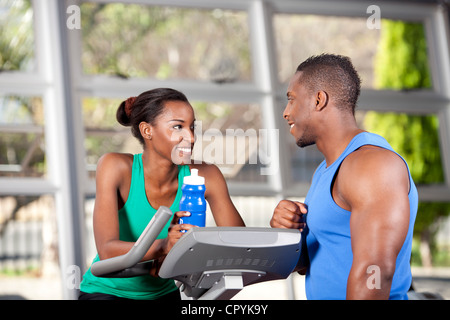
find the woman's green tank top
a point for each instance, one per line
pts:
(133, 218)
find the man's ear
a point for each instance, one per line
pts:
(146, 130)
(321, 100)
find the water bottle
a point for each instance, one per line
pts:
(193, 200)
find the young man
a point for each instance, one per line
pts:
(358, 216)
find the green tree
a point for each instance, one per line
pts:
(401, 64)
(130, 40)
(16, 40)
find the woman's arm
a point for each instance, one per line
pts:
(113, 181)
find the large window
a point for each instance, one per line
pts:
(61, 84)
(28, 236)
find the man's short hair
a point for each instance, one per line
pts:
(333, 74)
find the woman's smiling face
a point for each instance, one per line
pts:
(173, 132)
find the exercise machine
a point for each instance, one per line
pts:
(217, 262)
(129, 264)
(212, 262)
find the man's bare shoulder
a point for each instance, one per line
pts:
(372, 159)
(372, 169)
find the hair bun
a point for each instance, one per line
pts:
(128, 105)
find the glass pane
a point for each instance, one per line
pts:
(103, 133)
(231, 136)
(22, 141)
(16, 38)
(301, 36)
(414, 137)
(304, 161)
(256, 211)
(29, 248)
(131, 40)
(401, 61)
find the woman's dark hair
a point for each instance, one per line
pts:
(146, 107)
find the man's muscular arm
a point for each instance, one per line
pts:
(373, 183)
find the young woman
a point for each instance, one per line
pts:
(130, 188)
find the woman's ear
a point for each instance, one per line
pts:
(146, 130)
(321, 100)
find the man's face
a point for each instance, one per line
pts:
(298, 112)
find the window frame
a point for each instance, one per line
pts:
(59, 81)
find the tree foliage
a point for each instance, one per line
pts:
(16, 40)
(131, 40)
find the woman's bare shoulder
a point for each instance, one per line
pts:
(114, 164)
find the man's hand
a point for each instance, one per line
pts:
(289, 215)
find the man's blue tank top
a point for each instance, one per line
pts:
(328, 233)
